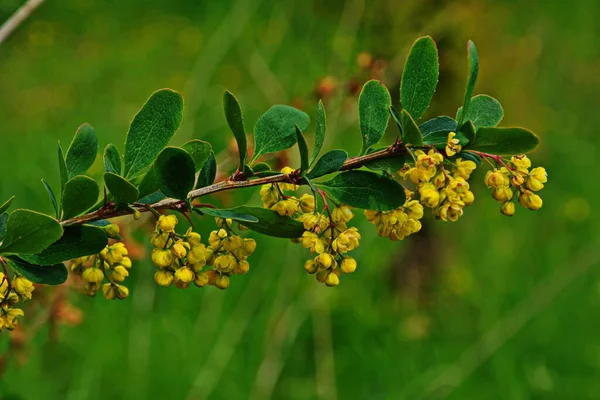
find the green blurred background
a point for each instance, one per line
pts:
(489, 307)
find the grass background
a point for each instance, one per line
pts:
(489, 307)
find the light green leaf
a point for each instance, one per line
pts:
(373, 113)
(77, 241)
(419, 77)
(6, 205)
(275, 130)
(303, 148)
(174, 170)
(199, 150)
(504, 141)
(29, 232)
(367, 190)
(233, 114)
(122, 190)
(152, 129)
(46, 275)
(51, 195)
(410, 131)
(112, 159)
(82, 151)
(209, 172)
(329, 162)
(80, 194)
(225, 213)
(472, 72)
(270, 223)
(320, 128)
(483, 111)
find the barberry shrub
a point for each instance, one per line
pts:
(428, 166)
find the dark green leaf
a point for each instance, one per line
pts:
(235, 215)
(80, 194)
(270, 223)
(29, 232)
(440, 139)
(6, 204)
(483, 111)
(373, 112)
(247, 171)
(152, 198)
(199, 150)
(303, 149)
(320, 128)
(3, 220)
(233, 114)
(438, 124)
(62, 168)
(465, 155)
(410, 131)
(367, 190)
(261, 167)
(504, 141)
(51, 195)
(122, 190)
(152, 129)
(472, 72)
(468, 129)
(420, 77)
(148, 184)
(390, 164)
(100, 223)
(82, 151)
(208, 173)
(329, 162)
(275, 130)
(77, 241)
(48, 275)
(112, 159)
(396, 116)
(175, 172)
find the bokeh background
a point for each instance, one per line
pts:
(488, 307)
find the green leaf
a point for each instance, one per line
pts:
(51, 195)
(504, 141)
(3, 220)
(112, 159)
(438, 124)
(77, 241)
(303, 148)
(390, 164)
(29, 232)
(320, 128)
(235, 120)
(396, 116)
(373, 113)
(465, 155)
(208, 173)
(152, 198)
(62, 168)
(122, 190)
(261, 167)
(472, 72)
(175, 172)
(329, 162)
(80, 194)
(440, 139)
(367, 190)
(152, 129)
(270, 223)
(6, 204)
(420, 77)
(148, 184)
(199, 150)
(275, 130)
(82, 151)
(224, 213)
(468, 129)
(483, 111)
(410, 131)
(48, 275)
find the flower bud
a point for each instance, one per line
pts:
(137, 214)
(109, 291)
(159, 240)
(126, 262)
(536, 179)
(178, 250)
(167, 223)
(348, 265)
(193, 238)
(183, 277)
(225, 263)
(530, 200)
(508, 208)
(324, 260)
(201, 279)
(93, 275)
(233, 243)
(119, 273)
(23, 286)
(163, 278)
(222, 282)
(502, 193)
(307, 203)
(122, 292)
(310, 266)
(322, 275)
(162, 258)
(332, 280)
(517, 180)
(197, 256)
(341, 214)
(242, 267)
(112, 231)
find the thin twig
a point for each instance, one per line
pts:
(17, 18)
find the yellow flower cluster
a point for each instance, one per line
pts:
(111, 264)
(273, 197)
(447, 192)
(185, 259)
(399, 223)
(516, 176)
(19, 289)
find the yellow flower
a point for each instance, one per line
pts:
(10, 319)
(536, 179)
(287, 207)
(310, 266)
(508, 208)
(114, 253)
(496, 178)
(346, 241)
(162, 258)
(414, 209)
(163, 278)
(269, 195)
(122, 292)
(119, 273)
(324, 261)
(126, 262)
(453, 145)
(530, 200)
(502, 193)
(233, 243)
(192, 238)
(178, 250)
(249, 246)
(373, 216)
(341, 214)
(332, 279)
(464, 168)
(242, 267)
(159, 240)
(93, 275)
(22, 286)
(450, 211)
(112, 231)
(426, 165)
(225, 263)
(311, 240)
(521, 162)
(197, 256)
(222, 282)
(183, 276)
(201, 279)
(430, 197)
(307, 203)
(348, 265)
(109, 291)
(287, 186)
(167, 223)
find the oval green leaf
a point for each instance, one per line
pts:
(504, 141)
(275, 130)
(6, 205)
(483, 111)
(80, 194)
(151, 129)
(367, 190)
(175, 172)
(235, 120)
(227, 213)
(419, 77)
(62, 168)
(320, 128)
(472, 72)
(410, 131)
(50, 195)
(46, 275)
(303, 149)
(270, 223)
(122, 190)
(438, 124)
(82, 151)
(199, 150)
(209, 172)
(390, 164)
(373, 112)
(329, 162)
(29, 232)
(112, 159)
